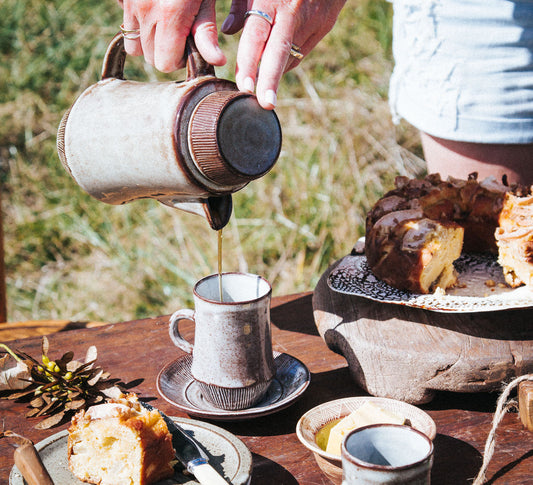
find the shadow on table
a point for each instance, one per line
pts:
(501, 473)
(484, 402)
(268, 471)
(466, 459)
(323, 387)
(295, 316)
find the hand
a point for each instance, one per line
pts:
(164, 26)
(264, 50)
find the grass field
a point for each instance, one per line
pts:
(70, 256)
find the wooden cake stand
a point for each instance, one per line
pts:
(409, 353)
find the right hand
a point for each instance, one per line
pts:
(164, 26)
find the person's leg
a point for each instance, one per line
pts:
(459, 159)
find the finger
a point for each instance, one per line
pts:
(305, 48)
(132, 46)
(235, 19)
(205, 35)
(274, 61)
(253, 40)
(169, 45)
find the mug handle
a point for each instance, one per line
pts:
(173, 329)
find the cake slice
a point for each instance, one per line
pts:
(120, 443)
(514, 238)
(414, 254)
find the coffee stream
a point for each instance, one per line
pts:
(220, 263)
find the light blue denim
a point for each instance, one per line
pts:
(464, 68)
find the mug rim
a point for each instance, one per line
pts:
(235, 302)
(371, 466)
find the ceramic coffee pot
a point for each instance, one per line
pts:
(188, 144)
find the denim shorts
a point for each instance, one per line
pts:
(464, 68)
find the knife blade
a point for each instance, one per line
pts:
(189, 452)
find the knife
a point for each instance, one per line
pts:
(28, 461)
(189, 452)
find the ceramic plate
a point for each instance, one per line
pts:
(228, 455)
(176, 384)
(353, 277)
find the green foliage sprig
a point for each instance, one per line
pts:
(56, 389)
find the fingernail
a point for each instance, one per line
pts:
(270, 97)
(248, 84)
(228, 22)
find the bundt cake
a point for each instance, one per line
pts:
(417, 230)
(120, 443)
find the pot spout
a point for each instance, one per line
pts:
(216, 210)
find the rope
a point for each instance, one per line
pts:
(502, 407)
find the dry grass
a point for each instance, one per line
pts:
(69, 256)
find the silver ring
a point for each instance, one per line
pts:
(130, 34)
(295, 52)
(259, 13)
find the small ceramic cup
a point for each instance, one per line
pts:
(232, 359)
(386, 453)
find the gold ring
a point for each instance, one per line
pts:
(130, 34)
(295, 52)
(259, 13)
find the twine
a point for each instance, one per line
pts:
(502, 406)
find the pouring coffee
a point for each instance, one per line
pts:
(189, 144)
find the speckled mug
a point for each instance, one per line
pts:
(232, 359)
(386, 454)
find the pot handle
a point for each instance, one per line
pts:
(115, 57)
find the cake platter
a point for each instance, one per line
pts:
(228, 454)
(481, 287)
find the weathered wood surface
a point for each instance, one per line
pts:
(136, 351)
(409, 353)
(32, 328)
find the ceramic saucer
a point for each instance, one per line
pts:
(176, 385)
(227, 454)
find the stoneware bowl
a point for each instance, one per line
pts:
(314, 419)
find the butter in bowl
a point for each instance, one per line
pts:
(322, 428)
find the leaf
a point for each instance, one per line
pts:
(17, 438)
(73, 366)
(45, 345)
(37, 402)
(91, 355)
(32, 412)
(48, 409)
(95, 378)
(19, 395)
(11, 375)
(67, 357)
(112, 392)
(75, 404)
(51, 421)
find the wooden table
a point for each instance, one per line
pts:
(136, 351)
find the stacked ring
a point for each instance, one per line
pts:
(261, 14)
(130, 34)
(295, 52)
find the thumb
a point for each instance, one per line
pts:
(235, 19)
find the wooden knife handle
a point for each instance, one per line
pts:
(30, 465)
(525, 403)
(207, 475)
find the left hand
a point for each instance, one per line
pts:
(264, 52)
